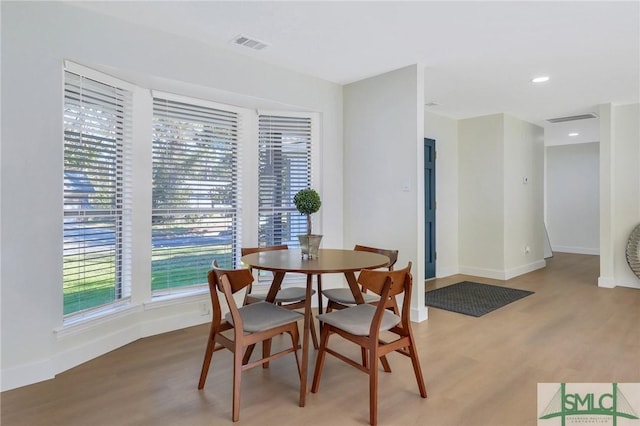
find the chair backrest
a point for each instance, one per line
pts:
(374, 280)
(250, 250)
(237, 278)
(228, 282)
(391, 254)
(388, 284)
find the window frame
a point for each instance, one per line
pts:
(236, 236)
(122, 271)
(314, 179)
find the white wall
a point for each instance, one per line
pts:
(481, 195)
(383, 152)
(619, 191)
(36, 38)
(573, 197)
(500, 215)
(524, 202)
(444, 131)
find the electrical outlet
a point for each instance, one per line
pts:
(204, 308)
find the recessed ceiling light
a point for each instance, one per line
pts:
(540, 79)
(574, 134)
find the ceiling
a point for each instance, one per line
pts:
(479, 57)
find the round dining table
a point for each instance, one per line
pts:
(347, 262)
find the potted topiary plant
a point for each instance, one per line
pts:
(307, 202)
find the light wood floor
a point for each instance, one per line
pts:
(478, 371)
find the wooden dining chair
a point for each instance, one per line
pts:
(362, 325)
(245, 326)
(340, 298)
(289, 298)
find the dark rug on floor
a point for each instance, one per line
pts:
(473, 299)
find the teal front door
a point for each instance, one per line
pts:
(430, 208)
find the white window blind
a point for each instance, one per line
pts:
(195, 191)
(97, 201)
(284, 169)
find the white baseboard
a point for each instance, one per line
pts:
(629, 284)
(524, 269)
(503, 275)
(495, 274)
(27, 374)
(446, 272)
(419, 314)
(610, 282)
(80, 354)
(606, 282)
(576, 250)
(105, 336)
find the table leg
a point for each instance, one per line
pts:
(353, 285)
(320, 298)
(305, 342)
(275, 286)
(319, 294)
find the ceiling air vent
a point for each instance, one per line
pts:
(572, 118)
(249, 42)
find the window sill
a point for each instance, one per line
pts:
(79, 323)
(161, 300)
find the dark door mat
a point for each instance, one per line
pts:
(474, 299)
